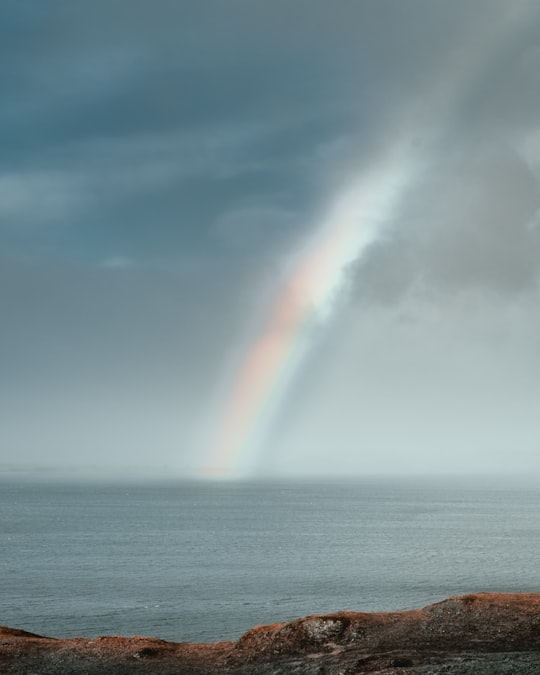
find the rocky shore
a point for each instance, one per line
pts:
(476, 634)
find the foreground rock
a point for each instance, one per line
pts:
(474, 634)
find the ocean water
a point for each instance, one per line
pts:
(207, 561)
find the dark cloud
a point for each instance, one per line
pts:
(128, 119)
(162, 162)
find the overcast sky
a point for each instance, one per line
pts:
(165, 162)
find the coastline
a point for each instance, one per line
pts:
(480, 633)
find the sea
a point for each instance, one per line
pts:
(206, 561)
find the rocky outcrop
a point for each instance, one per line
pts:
(481, 633)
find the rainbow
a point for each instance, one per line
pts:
(353, 222)
(307, 298)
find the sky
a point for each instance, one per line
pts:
(287, 238)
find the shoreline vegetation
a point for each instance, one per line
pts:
(482, 633)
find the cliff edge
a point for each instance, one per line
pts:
(484, 633)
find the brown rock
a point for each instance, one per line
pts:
(481, 633)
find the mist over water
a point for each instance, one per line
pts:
(207, 561)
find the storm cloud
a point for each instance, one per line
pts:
(165, 162)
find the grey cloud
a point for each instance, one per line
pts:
(130, 97)
(126, 67)
(486, 217)
(36, 197)
(470, 227)
(162, 189)
(509, 96)
(245, 228)
(161, 160)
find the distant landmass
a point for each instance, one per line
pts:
(480, 634)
